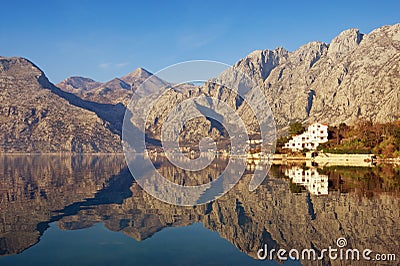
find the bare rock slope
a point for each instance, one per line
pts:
(356, 76)
(35, 116)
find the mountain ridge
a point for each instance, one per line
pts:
(116, 90)
(354, 77)
(329, 71)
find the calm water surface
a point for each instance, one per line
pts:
(88, 210)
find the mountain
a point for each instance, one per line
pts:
(117, 90)
(36, 116)
(136, 77)
(78, 85)
(356, 76)
(113, 91)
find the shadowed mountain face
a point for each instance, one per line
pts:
(78, 192)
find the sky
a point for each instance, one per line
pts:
(107, 39)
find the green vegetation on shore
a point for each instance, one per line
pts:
(363, 137)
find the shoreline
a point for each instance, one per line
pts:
(61, 153)
(276, 156)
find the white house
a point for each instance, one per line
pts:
(316, 133)
(314, 182)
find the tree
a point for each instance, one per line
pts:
(388, 151)
(296, 128)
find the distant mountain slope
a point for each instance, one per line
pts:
(35, 116)
(78, 85)
(117, 90)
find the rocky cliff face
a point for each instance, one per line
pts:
(354, 77)
(35, 116)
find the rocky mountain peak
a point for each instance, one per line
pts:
(117, 90)
(139, 74)
(388, 29)
(17, 67)
(309, 53)
(259, 63)
(116, 83)
(345, 42)
(385, 36)
(78, 84)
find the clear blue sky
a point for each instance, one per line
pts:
(104, 39)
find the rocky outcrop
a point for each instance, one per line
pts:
(113, 91)
(344, 43)
(364, 84)
(259, 64)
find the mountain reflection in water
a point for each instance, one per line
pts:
(360, 204)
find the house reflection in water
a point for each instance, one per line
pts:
(314, 182)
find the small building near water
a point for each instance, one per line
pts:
(316, 133)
